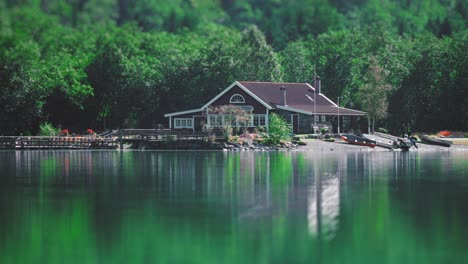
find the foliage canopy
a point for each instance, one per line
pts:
(108, 63)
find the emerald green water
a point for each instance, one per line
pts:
(243, 207)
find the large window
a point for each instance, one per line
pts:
(230, 120)
(216, 120)
(235, 121)
(183, 123)
(259, 120)
(237, 99)
(324, 118)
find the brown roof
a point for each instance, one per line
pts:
(296, 98)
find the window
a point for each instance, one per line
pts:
(316, 118)
(183, 123)
(324, 118)
(246, 108)
(216, 120)
(230, 120)
(236, 121)
(237, 99)
(259, 120)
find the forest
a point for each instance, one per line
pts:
(103, 64)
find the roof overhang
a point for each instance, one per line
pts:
(292, 109)
(183, 112)
(241, 87)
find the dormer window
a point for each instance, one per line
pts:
(237, 99)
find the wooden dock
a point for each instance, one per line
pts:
(135, 138)
(36, 142)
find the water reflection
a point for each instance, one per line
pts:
(324, 208)
(294, 207)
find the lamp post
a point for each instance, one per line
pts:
(338, 115)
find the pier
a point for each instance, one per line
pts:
(39, 142)
(130, 138)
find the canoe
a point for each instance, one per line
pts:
(356, 140)
(435, 141)
(382, 142)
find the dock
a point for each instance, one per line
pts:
(59, 142)
(132, 138)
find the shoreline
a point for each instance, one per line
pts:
(459, 144)
(339, 145)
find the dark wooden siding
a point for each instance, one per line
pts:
(224, 100)
(190, 115)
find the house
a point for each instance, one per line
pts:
(298, 103)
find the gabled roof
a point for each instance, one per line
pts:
(300, 97)
(238, 84)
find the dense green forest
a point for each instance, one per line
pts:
(108, 63)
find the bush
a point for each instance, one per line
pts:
(324, 130)
(382, 130)
(47, 129)
(278, 129)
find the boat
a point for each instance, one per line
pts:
(402, 143)
(328, 138)
(357, 140)
(436, 141)
(382, 142)
(387, 136)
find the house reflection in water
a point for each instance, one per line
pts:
(324, 206)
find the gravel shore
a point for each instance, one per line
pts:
(339, 145)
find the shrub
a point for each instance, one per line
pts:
(278, 129)
(47, 129)
(382, 130)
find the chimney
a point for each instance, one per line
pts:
(319, 86)
(283, 102)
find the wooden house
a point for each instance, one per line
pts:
(298, 103)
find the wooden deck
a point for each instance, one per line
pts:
(138, 138)
(34, 142)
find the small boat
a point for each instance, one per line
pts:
(402, 143)
(328, 138)
(357, 140)
(382, 142)
(435, 141)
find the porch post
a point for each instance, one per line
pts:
(170, 122)
(368, 124)
(267, 117)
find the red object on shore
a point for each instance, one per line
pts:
(445, 133)
(65, 132)
(90, 131)
(356, 140)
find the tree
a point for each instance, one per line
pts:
(374, 92)
(233, 118)
(259, 60)
(278, 129)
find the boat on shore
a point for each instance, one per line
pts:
(357, 140)
(382, 142)
(402, 143)
(436, 141)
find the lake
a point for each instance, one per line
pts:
(233, 207)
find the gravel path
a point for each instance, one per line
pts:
(339, 145)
